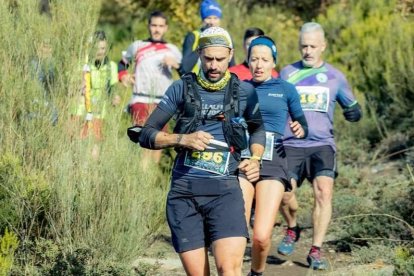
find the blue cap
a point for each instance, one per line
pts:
(208, 8)
(266, 41)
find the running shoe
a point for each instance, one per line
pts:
(287, 246)
(315, 260)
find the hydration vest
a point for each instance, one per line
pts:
(190, 116)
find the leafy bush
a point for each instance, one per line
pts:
(51, 188)
(45, 257)
(8, 245)
(382, 66)
(24, 197)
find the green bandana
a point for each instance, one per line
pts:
(213, 86)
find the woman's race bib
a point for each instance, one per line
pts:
(268, 152)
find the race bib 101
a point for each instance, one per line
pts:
(314, 98)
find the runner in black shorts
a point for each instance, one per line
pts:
(205, 205)
(198, 220)
(278, 99)
(320, 86)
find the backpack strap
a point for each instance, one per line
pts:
(231, 98)
(191, 108)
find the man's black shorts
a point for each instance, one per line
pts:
(196, 221)
(308, 163)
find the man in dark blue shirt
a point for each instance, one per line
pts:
(205, 204)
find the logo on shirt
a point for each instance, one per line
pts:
(322, 77)
(276, 95)
(211, 109)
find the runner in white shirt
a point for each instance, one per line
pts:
(154, 60)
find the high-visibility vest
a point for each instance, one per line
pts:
(196, 67)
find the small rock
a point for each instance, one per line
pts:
(288, 263)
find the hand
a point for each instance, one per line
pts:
(170, 61)
(116, 100)
(196, 141)
(353, 113)
(297, 129)
(251, 168)
(128, 80)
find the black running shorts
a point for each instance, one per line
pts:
(196, 221)
(308, 163)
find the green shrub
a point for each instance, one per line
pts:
(401, 257)
(372, 40)
(51, 186)
(24, 196)
(8, 246)
(404, 260)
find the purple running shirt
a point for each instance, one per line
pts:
(319, 90)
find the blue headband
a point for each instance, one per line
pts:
(266, 41)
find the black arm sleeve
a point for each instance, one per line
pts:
(256, 130)
(254, 121)
(190, 57)
(353, 113)
(156, 121)
(304, 123)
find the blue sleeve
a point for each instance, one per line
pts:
(173, 98)
(253, 116)
(345, 97)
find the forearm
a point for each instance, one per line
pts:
(165, 140)
(257, 134)
(257, 150)
(151, 136)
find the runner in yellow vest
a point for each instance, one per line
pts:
(210, 12)
(99, 77)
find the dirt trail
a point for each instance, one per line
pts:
(168, 264)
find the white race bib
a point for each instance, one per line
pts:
(212, 161)
(268, 152)
(314, 98)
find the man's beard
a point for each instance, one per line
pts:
(206, 74)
